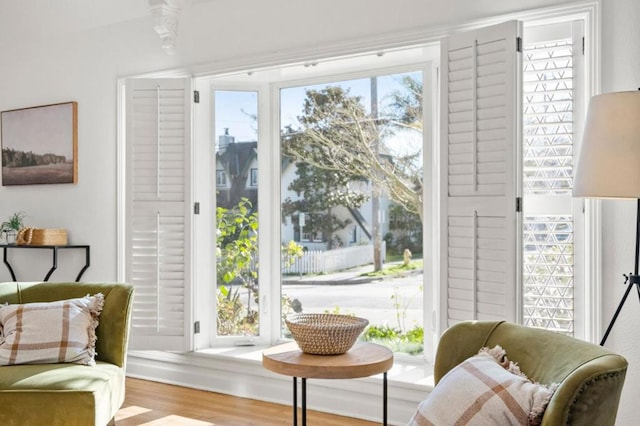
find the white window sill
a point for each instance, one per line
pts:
(406, 372)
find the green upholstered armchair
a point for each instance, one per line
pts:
(69, 394)
(590, 377)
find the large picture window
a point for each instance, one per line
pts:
(346, 159)
(352, 159)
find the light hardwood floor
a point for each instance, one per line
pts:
(157, 404)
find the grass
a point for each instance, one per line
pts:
(410, 342)
(397, 269)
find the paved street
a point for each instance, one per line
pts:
(351, 294)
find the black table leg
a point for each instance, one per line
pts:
(87, 262)
(304, 401)
(54, 266)
(384, 398)
(6, 262)
(295, 401)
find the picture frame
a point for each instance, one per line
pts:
(40, 144)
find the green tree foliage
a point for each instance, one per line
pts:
(236, 249)
(338, 136)
(320, 185)
(405, 108)
(236, 255)
(237, 243)
(322, 192)
(407, 230)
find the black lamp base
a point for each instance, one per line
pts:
(631, 280)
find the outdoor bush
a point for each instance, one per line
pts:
(233, 317)
(410, 342)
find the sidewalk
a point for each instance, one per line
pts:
(350, 276)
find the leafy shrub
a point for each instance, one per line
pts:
(410, 342)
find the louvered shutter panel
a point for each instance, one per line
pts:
(158, 217)
(553, 240)
(479, 131)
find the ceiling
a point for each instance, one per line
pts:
(26, 21)
(29, 19)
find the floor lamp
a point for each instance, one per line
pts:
(608, 165)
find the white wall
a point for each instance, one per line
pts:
(49, 68)
(621, 72)
(79, 67)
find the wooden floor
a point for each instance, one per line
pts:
(156, 404)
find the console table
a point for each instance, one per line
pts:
(54, 250)
(362, 360)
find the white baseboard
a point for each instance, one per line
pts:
(244, 376)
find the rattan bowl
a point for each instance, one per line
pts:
(325, 334)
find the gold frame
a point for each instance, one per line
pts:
(37, 143)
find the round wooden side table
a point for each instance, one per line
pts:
(362, 360)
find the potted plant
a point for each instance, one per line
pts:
(9, 228)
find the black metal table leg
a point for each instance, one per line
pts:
(304, 401)
(54, 266)
(384, 398)
(295, 401)
(6, 262)
(87, 262)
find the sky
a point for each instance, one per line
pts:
(234, 109)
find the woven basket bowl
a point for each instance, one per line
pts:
(325, 334)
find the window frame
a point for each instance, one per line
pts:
(430, 91)
(221, 178)
(204, 154)
(274, 206)
(587, 11)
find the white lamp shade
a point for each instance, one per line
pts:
(609, 161)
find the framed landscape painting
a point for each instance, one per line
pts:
(40, 144)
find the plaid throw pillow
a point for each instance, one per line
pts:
(486, 389)
(54, 332)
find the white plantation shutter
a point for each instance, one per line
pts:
(158, 212)
(479, 131)
(553, 235)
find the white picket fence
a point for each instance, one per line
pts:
(317, 261)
